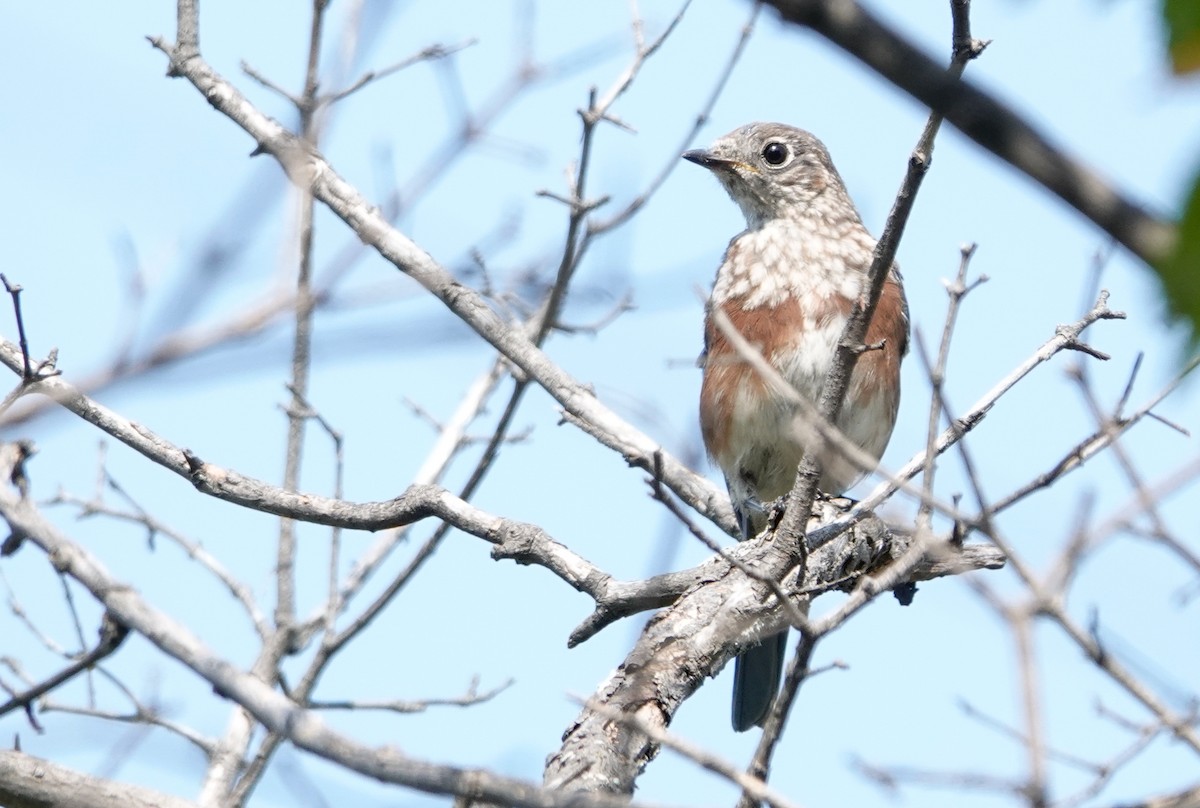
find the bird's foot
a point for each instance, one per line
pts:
(750, 515)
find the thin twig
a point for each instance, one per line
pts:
(597, 228)
(266, 704)
(112, 634)
(837, 379)
(956, 290)
(193, 549)
(1094, 444)
(428, 53)
(469, 699)
(14, 290)
(987, 121)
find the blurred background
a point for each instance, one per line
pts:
(149, 243)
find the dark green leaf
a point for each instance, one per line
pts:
(1180, 273)
(1182, 21)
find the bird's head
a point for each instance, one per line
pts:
(774, 171)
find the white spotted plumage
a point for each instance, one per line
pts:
(766, 266)
(787, 286)
(800, 265)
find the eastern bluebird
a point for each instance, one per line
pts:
(788, 283)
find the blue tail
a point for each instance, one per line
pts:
(756, 676)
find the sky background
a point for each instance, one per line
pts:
(112, 166)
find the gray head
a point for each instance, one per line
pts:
(774, 171)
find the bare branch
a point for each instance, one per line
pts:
(1064, 337)
(956, 290)
(428, 53)
(307, 169)
(194, 549)
(468, 699)
(791, 529)
(274, 711)
(112, 634)
(14, 291)
(596, 228)
(987, 121)
(754, 786)
(29, 782)
(707, 626)
(141, 715)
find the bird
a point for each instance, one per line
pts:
(787, 284)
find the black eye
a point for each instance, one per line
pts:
(775, 153)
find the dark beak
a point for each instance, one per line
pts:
(703, 157)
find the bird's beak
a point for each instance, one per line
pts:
(703, 157)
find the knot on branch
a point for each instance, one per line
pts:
(866, 546)
(842, 557)
(519, 542)
(12, 466)
(204, 477)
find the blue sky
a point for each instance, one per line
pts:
(108, 159)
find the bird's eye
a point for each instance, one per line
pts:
(775, 153)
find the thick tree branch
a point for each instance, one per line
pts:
(30, 782)
(274, 711)
(678, 651)
(984, 119)
(711, 623)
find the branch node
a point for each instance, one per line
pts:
(194, 463)
(1083, 347)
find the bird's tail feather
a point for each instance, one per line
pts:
(756, 676)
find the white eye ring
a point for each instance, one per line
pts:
(776, 153)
